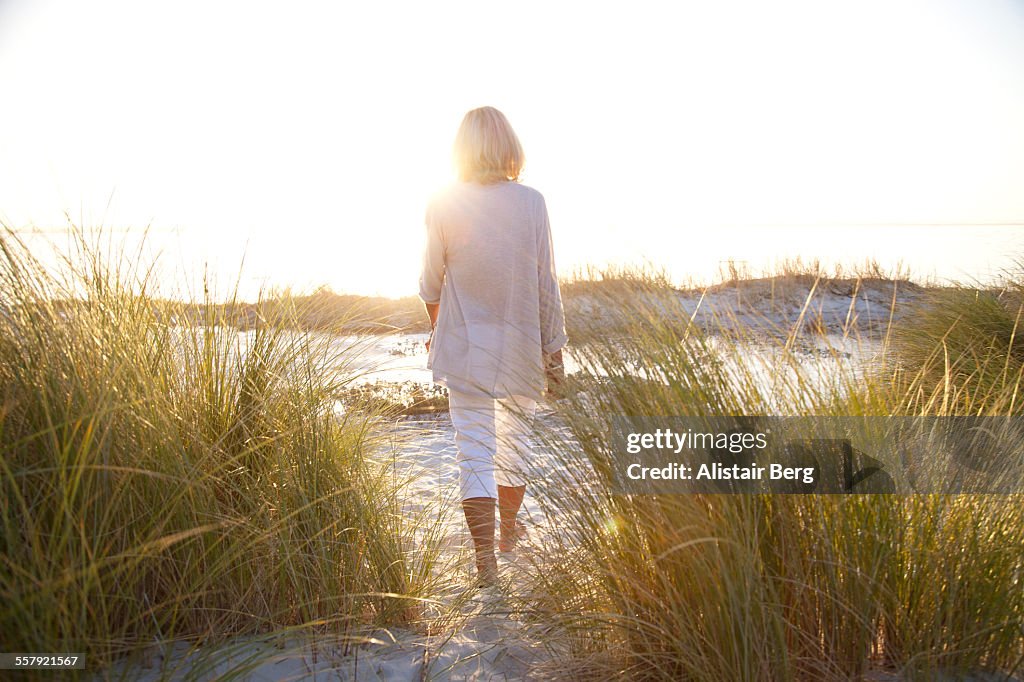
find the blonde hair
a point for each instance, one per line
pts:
(486, 148)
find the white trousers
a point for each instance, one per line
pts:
(492, 439)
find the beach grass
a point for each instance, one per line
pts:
(184, 471)
(963, 351)
(778, 587)
(166, 476)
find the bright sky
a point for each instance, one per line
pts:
(308, 136)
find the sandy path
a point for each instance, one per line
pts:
(469, 634)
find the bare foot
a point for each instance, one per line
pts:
(508, 544)
(486, 570)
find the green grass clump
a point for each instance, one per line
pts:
(763, 587)
(164, 475)
(963, 351)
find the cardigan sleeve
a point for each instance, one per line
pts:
(552, 316)
(432, 273)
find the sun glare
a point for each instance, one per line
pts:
(314, 160)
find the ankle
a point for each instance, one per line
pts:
(510, 536)
(486, 566)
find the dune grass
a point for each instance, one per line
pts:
(963, 351)
(762, 587)
(168, 476)
(165, 476)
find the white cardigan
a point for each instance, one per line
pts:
(489, 263)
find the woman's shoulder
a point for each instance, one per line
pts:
(526, 195)
(530, 192)
(441, 194)
(459, 192)
(452, 193)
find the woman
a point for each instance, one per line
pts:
(491, 292)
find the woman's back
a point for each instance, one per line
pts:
(489, 263)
